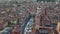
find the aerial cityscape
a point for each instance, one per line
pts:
(29, 16)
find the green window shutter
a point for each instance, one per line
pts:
(14, 22)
